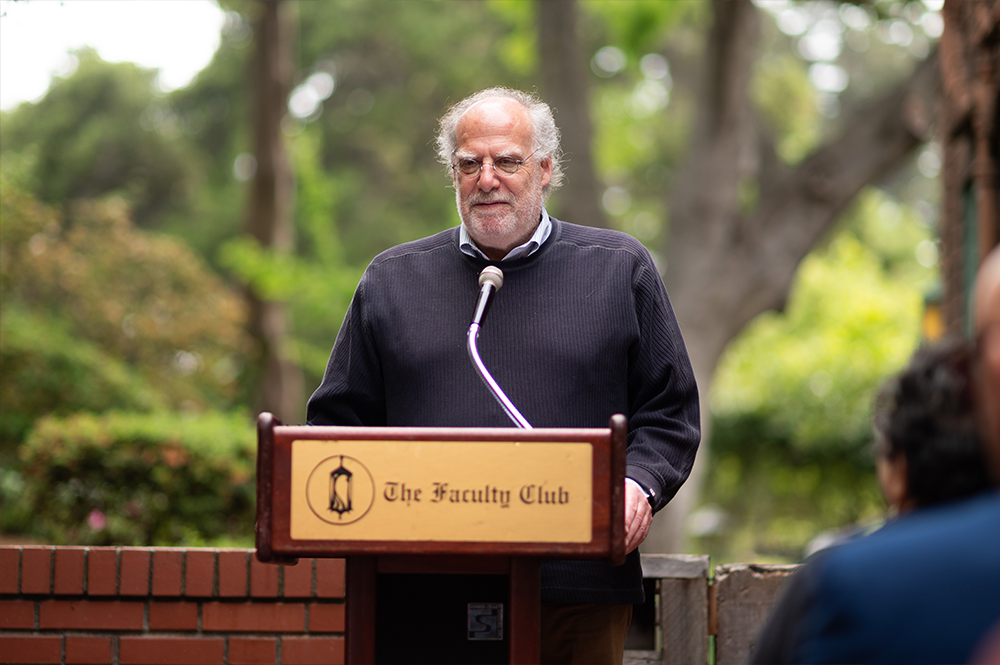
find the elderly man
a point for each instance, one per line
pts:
(582, 330)
(924, 588)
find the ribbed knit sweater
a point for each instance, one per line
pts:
(582, 329)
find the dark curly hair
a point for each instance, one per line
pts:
(926, 413)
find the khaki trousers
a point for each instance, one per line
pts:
(584, 634)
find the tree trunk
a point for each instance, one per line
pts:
(724, 267)
(270, 206)
(564, 77)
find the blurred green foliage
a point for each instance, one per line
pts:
(783, 92)
(794, 395)
(84, 150)
(47, 370)
(98, 317)
(317, 286)
(135, 479)
(116, 336)
(143, 298)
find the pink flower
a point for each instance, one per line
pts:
(96, 520)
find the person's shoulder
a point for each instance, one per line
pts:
(590, 237)
(442, 240)
(927, 534)
(953, 518)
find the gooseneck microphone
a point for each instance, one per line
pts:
(490, 281)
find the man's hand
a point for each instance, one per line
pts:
(638, 516)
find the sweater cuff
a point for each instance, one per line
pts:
(645, 482)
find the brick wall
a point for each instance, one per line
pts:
(147, 606)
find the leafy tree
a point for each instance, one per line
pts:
(317, 287)
(732, 188)
(378, 78)
(93, 135)
(138, 297)
(792, 435)
(97, 317)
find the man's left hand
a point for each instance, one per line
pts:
(638, 516)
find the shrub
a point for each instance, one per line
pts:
(47, 370)
(143, 298)
(164, 478)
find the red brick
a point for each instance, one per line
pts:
(167, 568)
(173, 616)
(102, 571)
(329, 578)
(9, 567)
(134, 572)
(17, 614)
(90, 615)
(36, 570)
(69, 569)
(298, 579)
(312, 651)
(252, 650)
(253, 617)
(85, 650)
(263, 579)
(232, 574)
(326, 618)
(199, 573)
(135, 650)
(39, 649)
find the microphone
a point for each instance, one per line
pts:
(490, 281)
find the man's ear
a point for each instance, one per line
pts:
(546, 165)
(891, 471)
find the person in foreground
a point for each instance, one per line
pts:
(925, 587)
(583, 329)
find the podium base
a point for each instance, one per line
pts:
(442, 609)
(442, 619)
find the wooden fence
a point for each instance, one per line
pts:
(694, 610)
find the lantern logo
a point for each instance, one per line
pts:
(340, 490)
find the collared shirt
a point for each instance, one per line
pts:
(541, 234)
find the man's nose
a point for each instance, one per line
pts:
(488, 178)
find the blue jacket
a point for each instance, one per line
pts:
(923, 589)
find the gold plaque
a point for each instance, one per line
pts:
(441, 491)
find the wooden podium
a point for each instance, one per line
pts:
(441, 501)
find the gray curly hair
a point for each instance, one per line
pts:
(545, 132)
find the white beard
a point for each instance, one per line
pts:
(506, 227)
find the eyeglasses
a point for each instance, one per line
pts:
(471, 168)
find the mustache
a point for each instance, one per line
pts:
(489, 197)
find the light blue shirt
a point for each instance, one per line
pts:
(541, 234)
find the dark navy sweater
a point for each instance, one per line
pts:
(582, 329)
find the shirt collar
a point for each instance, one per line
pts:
(541, 234)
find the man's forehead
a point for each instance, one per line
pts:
(497, 109)
(496, 119)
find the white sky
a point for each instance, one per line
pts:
(179, 37)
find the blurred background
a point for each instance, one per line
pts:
(178, 246)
